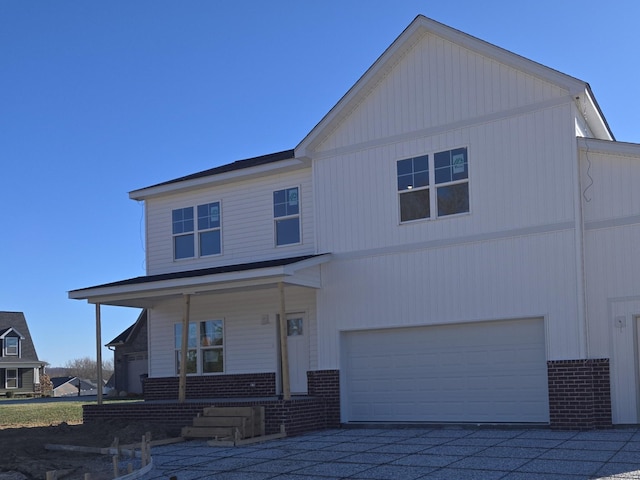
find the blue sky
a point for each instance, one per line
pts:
(101, 98)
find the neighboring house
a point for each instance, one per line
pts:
(130, 358)
(455, 241)
(20, 368)
(68, 387)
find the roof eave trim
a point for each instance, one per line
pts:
(231, 176)
(418, 28)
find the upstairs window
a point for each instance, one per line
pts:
(209, 229)
(205, 347)
(183, 238)
(432, 186)
(286, 214)
(11, 346)
(208, 240)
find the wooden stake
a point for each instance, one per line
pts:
(115, 466)
(87, 476)
(51, 475)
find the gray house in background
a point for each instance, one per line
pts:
(72, 387)
(20, 368)
(130, 358)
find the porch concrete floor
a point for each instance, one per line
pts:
(411, 453)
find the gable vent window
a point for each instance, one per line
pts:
(208, 240)
(432, 186)
(11, 346)
(286, 214)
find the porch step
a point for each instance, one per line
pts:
(234, 423)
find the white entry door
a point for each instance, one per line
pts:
(298, 348)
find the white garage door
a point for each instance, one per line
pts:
(484, 372)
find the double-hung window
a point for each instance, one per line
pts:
(205, 347)
(208, 240)
(432, 186)
(209, 229)
(286, 215)
(11, 378)
(11, 346)
(183, 238)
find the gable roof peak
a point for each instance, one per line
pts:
(416, 30)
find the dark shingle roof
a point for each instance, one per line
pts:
(203, 272)
(237, 165)
(126, 335)
(17, 321)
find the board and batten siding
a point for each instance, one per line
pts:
(612, 250)
(247, 222)
(509, 278)
(438, 83)
(250, 346)
(516, 183)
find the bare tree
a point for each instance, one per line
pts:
(87, 368)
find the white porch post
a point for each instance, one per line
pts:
(284, 351)
(182, 386)
(99, 352)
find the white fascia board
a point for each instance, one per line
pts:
(309, 262)
(11, 329)
(608, 147)
(186, 285)
(23, 364)
(219, 179)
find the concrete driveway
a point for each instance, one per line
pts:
(411, 453)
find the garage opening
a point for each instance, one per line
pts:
(485, 372)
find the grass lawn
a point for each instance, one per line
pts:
(40, 414)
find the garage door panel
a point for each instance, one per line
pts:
(485, 372)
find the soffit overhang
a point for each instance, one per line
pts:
(145, 292)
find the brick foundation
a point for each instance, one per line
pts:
(326, 384)
(579, 394)
(317, 411)
(212, 386)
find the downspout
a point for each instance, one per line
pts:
(580, 257)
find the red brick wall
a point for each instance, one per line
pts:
(212, 386)
(579, 394)
(299, 415)
(326, 384)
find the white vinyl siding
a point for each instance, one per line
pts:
(247, 224)
(250, 344)
(437, 83)
(467, 282)
(504, 157)
(611, 202)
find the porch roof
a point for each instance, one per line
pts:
(145, 291)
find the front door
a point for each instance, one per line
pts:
(298, 347)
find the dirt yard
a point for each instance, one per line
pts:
(23, 454)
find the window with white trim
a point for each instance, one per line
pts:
(432, 186)
(11, 378)
(286, 216)
(11, 346)
(208, 240)
(205, 347)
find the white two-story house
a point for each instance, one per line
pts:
(455, 241)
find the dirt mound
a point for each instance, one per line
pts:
(23, 449)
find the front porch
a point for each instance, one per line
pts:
(317, 410)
